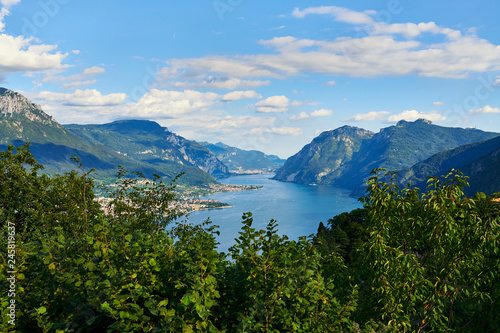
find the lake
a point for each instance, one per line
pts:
(298, 209)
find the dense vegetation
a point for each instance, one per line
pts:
(408, 261)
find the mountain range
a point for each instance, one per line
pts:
(138, 145)
(241, 161)
(344, 157)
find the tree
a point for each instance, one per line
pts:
(434, 257)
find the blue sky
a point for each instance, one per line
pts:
(256, 74)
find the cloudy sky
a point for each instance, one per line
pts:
(266, 75)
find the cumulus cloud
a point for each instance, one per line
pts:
(4, 11)
(273, 104)
(331, 83)
(19, 54)
(385, 50)
(438, 103)
(88, 97)
(339, 14)
(314, 114)
(237, 95)
(412, 115)
(485, 110)
(412, 30)
(167, 104)
(370, 116)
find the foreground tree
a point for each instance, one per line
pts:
(434, 257)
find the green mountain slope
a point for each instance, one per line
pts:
(241, 161)
(393, 148)
(480, 161)
(53, 145)
(405, 144)
(325, 158)
(147, 141)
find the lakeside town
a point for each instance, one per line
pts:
(190, 198)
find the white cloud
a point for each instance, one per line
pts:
(168, 104)
(497, 82)
(331, 83)
(237, 95)
(4, 11)
(339, 14)
(77, 80)
(485, 110)
(82, 98)
(273, 104)
(412, 30)
(438, 103)
(276, 130)
(19, 54)
(449, 55)
(74, 84)
(314, 114)
(412, 115)
(370, 116)
(94, 70)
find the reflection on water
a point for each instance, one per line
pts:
(298, 209)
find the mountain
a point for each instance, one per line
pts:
(147, 141)
(53, 145)
(393, 148)
(325, 158)
(480, 161)
(244, 161)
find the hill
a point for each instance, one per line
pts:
(480, 161)
(147, 141)
(240, 161)
(325, 158)
(52, 145)
(398, 147)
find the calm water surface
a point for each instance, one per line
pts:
(298, 209)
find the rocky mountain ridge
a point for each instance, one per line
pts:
(147, 141)
(326, 162)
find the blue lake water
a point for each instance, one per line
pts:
(298, 209)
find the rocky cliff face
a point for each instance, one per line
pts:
(20, 119)
(324, 159)
(148, 141)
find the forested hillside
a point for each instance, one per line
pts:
(345, 157)
(409, 261)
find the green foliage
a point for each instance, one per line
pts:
(434, 257)
(80, 269)
(408, 261)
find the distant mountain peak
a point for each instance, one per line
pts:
(418, 121)
(15, 105)
(135, 125)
